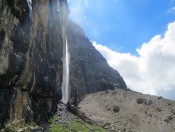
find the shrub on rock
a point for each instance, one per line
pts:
(116, 108)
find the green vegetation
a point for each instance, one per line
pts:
(19, 125)
(74, 125)
(71, 125)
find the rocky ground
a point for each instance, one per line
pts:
(65, 121)
(118, 110)
(124, 110)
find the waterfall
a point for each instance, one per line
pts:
(65, 83)
(29, 2)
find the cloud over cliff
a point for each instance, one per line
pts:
(153, 70)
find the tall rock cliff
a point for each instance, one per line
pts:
(89, 71)
(31, 44)
(32, 35)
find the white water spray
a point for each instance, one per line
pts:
(29, 2)
(65, 84)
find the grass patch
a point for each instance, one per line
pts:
(74, 125)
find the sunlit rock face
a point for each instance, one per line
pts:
(32, 34)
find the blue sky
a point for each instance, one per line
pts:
(122, 25)
(137, 38)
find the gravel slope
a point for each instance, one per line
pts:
(122, 110)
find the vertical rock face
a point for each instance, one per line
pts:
(89, 71)
(31, 49)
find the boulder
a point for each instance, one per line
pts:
(144, 101)
(116, 108)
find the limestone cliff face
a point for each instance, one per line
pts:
(31, 50)
(31, 44)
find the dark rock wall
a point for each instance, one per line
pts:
(89, 71)
(31, 47)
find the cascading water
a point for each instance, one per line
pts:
(65, 84)
(29, 2)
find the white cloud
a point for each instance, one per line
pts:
(172, 10)
(153, 70)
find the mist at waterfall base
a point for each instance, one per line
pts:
(65, 83)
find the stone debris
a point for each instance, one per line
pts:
(63, 114)
(158, 109)
(144, 101)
